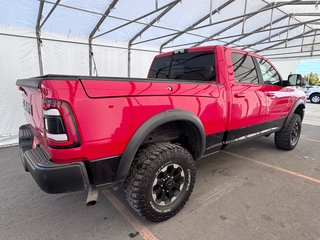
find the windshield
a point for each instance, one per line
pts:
(196, 66)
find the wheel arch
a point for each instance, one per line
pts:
(147, 127)
(297, 108)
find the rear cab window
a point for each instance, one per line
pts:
(193, 66)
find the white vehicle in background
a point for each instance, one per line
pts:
(313, 94)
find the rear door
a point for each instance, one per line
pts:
(248, 107)
(278, 98)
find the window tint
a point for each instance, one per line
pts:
(187, 66)
(269, 74)
(244, 68)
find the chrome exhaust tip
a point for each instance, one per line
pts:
(92, 197)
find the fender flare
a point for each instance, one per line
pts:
(293, 109)
(148, 126)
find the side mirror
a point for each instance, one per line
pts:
(294, 80)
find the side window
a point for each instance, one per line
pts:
(244, 68)
(269, 74)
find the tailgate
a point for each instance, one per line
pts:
(32, 103)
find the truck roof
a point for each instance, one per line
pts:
(207, 48)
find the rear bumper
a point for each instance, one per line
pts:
(51, 177)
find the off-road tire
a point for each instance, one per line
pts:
(148, 162)
(314, 98)
(283, 138)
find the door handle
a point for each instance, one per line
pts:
(240, 95)
(272, 95)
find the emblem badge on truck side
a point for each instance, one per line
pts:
(27, 106)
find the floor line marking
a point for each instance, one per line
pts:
(212, 196)
(311, 139)
(133, 220)
(311, 179)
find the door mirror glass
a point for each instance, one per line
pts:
(294, 80)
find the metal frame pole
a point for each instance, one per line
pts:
(313, 41)
(95, 29)
(192, 26)
(250, 45)
(294, 57)
(284, 41)
(135, 20)
(247, 16)
(50, 12)
(293, 46)
(38, 35)
(271, 17)
(145, 29)
(279, 33)
(258, 30)
(244, 12)
(286, 53)
(302, 40)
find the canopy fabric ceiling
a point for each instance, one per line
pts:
(255, 25)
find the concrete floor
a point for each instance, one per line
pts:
(250, 191)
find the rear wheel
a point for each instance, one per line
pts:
(160, 181)
(315, 98)
(288, 137)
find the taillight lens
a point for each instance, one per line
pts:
(59, 123)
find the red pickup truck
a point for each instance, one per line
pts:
(87, 131)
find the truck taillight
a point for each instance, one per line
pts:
(60, 125)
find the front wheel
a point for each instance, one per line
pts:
(160, 181)
(288, 137)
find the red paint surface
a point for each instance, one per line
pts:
(108, 113)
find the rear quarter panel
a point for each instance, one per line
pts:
(108, 113)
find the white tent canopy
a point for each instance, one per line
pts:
(120, 37)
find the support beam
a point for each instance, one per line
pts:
(306, 14)
(250, 15)
(49, 14)
(294, 57)
(271, 17)
(293, 26)
(38, 35)
(257, 30)
(313, 41)
(145, 29)
(110, 16)
(135, 20)
(288, 29)
(284, 41)
(293, 46)
(244, 12)
(302, 40)
(280, 10)
(279, 40)
(95, 29)
(302, 3)
(286, 53)
(192, 26)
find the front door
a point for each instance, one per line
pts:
(278, 98)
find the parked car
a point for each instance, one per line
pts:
(88, 131)
(307, 88)
(313, 94)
